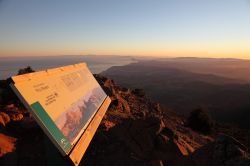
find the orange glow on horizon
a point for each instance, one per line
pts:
(181, 51)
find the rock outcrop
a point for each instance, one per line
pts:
(224, 151)
(134, 131)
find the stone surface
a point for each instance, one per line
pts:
(4, 119)
(135, 131)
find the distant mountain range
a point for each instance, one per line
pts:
(225, 67)
(183, 84)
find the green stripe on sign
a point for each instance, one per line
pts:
(51, 126)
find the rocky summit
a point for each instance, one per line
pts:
(134, 131)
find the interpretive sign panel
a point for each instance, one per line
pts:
(64, 101)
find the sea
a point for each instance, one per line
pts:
(9, 66)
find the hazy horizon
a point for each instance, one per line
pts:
(214, 29)
(131, 56)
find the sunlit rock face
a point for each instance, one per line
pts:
(134, 131)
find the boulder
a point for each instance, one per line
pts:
(106, 124)
(139, 135)
(122, 102)
(7, 144)
(224, 151)
(16, 117)
(4, 118)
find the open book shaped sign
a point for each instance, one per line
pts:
(68, 104)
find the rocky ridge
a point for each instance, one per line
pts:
(134, 131)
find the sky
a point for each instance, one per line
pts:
(171, 28)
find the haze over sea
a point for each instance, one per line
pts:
(9, 66)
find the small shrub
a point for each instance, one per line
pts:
(199, 120)
(25, 70)
(139, 92)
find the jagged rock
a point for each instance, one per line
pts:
(16, 117)
(123, 103)
(4, 118)
(166, 149)
(139, 135)
(8, 153)
(7, 144)
(107, 124)
(167, 137)
(135, 131)
(184, 147)
(114, 91)
(157, 107)
(224, 151)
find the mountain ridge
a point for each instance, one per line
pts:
(134, 131)
(184, 91)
